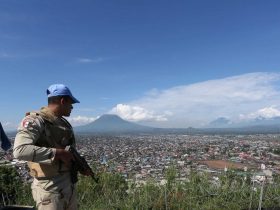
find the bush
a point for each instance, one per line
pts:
(12, 189)
(108, 193)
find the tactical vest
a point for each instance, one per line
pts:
(54, 135)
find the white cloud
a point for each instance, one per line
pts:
(23, 54)
(8, 126)
(6, 55)
(81, 120)
(90, 60)
(199, 103)
(136, 113)
(267, 113)
(105, 98)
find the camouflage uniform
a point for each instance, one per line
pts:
(38, 135)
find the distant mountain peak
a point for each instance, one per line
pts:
(220, 122)
(112, 123)
(109, 117)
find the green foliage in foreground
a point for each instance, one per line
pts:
(232, 191)
(12, 189)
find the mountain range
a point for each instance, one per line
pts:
(223, 122)
(113, 124)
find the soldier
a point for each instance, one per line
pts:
(41, 139)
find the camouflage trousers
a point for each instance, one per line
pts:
(65, 199)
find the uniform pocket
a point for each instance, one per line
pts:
(45, 198)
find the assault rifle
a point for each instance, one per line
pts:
(80, 164)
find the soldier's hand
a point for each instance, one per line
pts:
(64, 156)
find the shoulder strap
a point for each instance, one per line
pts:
(70, 126)
(66, 121)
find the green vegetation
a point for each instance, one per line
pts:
(12, 189)
(233, 191)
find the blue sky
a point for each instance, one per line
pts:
(151, 62)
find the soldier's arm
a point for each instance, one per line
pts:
(29, 132)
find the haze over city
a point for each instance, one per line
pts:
(162, 64)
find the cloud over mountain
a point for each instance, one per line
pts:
(81, 120)
(266, 113)
(136, 113)
(200, 103)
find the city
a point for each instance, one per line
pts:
(139, 158)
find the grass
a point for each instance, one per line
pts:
(232, 191)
